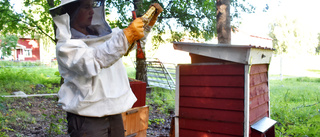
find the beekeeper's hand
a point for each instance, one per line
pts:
(155, 16)
(134, 31)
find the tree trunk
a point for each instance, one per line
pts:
(223, 21)
(141, 67)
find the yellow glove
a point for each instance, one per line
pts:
(155, 16)
(134, 31)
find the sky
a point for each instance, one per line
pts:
(306, 12)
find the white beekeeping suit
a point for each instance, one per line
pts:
(95, 79)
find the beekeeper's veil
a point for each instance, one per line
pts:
(64, 15)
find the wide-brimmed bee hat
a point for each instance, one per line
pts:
(67, 5)
(71, 8)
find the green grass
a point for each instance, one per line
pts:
(295, 105)
(26, 79)
(19, 64)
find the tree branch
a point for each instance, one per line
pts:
(306, 105)
(39, 30)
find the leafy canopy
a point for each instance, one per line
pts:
(197, 18)
(34, 19)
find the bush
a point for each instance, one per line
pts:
(163, 99)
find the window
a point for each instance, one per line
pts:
(27, 52)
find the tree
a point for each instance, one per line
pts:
(32, 20)
(290, 37)
(223, 21)
(8, 43)
(6, 15)
(141, 69)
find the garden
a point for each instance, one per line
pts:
(294, 103)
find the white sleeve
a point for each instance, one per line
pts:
(112, 50)
(77, 56)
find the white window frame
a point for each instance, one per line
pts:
(25, 51)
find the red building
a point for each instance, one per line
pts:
(27, 49)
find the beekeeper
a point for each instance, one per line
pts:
(96, 89)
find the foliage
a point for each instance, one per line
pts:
(295, 106)
(8, 18)
(8, 43)
(163, 99)
(288, 37)
(156, 120)
(34, 19)
(196, 17)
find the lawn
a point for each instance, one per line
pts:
(295, 105)
(35, 79)
(294, 101)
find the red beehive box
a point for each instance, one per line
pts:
(139, 90)
(223, 92)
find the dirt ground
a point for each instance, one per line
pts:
(48, 119)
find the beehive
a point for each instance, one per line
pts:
(223, 91)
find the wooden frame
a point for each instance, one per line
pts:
(177, 99)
